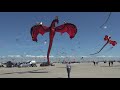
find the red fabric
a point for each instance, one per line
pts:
(67, 27)
(113, 42)
(38, 29)
(106, 38)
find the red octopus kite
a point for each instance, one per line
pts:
(109, 41)
(41, 29)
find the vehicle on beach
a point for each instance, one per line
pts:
(9, 64)
(46, 64)
(1, 65)
(33, 63)
(28, 64)
(24, 65)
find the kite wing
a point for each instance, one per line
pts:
(38, 29)
(113, 42)
(106, 38)
(67, 27)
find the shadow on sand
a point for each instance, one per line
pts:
(111, 66)
(33, 71)
(60, 67)
(59, 77)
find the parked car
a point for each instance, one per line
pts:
(28, 64)
(33, 63)
(46, 64)
(24, 65)
(1, 65)
(9, 64)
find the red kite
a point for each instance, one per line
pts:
(41, 29)
(106, 38)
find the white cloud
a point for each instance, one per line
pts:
(62, 56)
(85, 56)
(14, 56)
(41, 56)
(3, 56)
(68, 56)
(110, 56)
(101, 56)
(29, 56)
(44, 56)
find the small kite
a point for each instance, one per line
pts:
(41, 29)
(109, 41)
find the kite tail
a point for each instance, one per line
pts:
(49, 49)
(100, 49)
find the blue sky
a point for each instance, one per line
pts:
(15, 36)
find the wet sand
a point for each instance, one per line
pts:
(78, 70)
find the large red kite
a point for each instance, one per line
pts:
(109, 41)
(41, 29)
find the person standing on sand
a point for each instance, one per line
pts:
(109, 63)
(68, 67)
(94, 63)
(97, 63)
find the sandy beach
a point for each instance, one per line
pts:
(78, 70)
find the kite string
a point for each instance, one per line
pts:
(106, 20)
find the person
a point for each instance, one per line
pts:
(68, 67)
(97, 63)
(109, 63)
(94, 63)
(112, 63)
(104, 61)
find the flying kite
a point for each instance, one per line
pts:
(41, 29)
(109, 41)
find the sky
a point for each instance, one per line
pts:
(15, 38)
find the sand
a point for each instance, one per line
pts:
(78, 70)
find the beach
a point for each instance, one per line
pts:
(78, 70)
